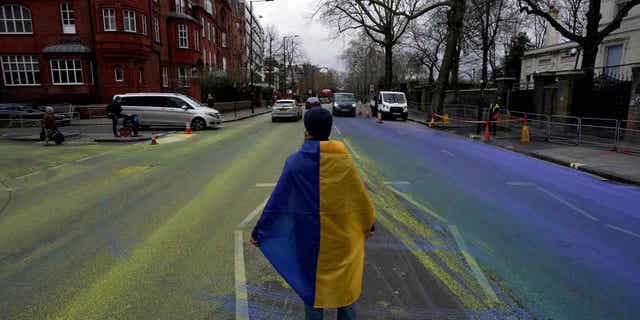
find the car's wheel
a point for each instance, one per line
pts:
(198, 124)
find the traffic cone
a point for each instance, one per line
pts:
(154, 140)
(487, 134)
(379, 120)
(525, 138)
(432, 123)
(188, 130)
(445, 120)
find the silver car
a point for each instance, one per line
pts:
(286, 109)
(170, 110)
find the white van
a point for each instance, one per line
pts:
(390, 104)
(169, 110)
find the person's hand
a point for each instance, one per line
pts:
(254, 242)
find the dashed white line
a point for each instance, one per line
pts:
(566, 203)
(447, 152)
(93, 156)
(625, 231)
(28, 175)
(397, 182)
(265, 185)
(337, 130)
(519, 183)
(253, 214)
(58, 166)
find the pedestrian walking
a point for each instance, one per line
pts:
(49, 125)
(313, 228)
(211, 101)
(114, 111)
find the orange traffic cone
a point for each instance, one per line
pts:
(154, 140)
(487, 134)
(379, 120)
(432, 123)
(188, 130)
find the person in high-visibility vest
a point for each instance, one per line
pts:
(494, 112)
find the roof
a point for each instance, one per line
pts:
(182, 16)
(552, 48)
(67, 47)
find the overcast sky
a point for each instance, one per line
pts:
(294, 17)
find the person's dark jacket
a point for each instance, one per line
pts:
(211, 102)
(114, 109)
(49, 121)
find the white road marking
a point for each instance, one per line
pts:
(58, 166)
(566, 203)
(418, 205)
(265, 185)
(397, 182)
(94, 156)
(447, 152)
(552, 195)
(253, 214)
(337, 130)
(473, 265)
(631, 233)
(29, 174)
(242, 298)
(85, 159)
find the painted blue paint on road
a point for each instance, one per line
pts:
(547, 226)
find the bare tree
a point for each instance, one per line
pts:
(272, 38)
(383, 21)
(427, 37)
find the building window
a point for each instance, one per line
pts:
(66, 15)
(203, 25)
(118, 74)
(21, 70)
(15, 19)
(183, 36)
(208, 31)
(156, 29)
(196, 40)
(165, 77)
(224, 64)
(210, 61)
(140, 77)
(614, 59)
(66, 72)
(224, 39)
(183, 77)
(91, 73)
(208, 5)
(143, 24)
(204, 55)
(109, 19)
(180, 6)
(130, 21)
(213, 34)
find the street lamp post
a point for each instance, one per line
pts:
(251, 48)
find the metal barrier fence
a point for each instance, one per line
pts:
(564, 129)
(600, 132)
(628, 140)
(538, 124)
(462, 111)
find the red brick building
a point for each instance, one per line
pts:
(85, 51)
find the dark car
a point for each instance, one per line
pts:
(21, 112)
(344, 103)
(312, 102)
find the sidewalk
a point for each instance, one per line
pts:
(607, 164)
(231, 116)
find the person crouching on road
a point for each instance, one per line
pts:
(114, 111)
(49, 124)
(313, 228)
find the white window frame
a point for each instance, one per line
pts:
(109, 22)
(143, 24)
(210, 61)
(67, 18)
(208, 31)
(203, 26)
(21, 16)
(213, 33)
(224, 39)
(156, 29)
(224, 64)
(16, 65)
(204, 55)
(129, 21)
(165, 77)
(73, 69)
(183, 77)
(183, 36)
(208, 6)
(117, 78)
(140, 76)
(180, 6)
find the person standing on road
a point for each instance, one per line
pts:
(114, 111)
(49, 124)
(313, 228)
(211, 101)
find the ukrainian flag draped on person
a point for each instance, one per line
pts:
(313, 227)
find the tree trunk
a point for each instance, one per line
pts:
(388, 66)
(454, 75)
(455, 20)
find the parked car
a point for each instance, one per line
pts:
(390, 104)
(312, 102)
(169, 109)
(286, 109)
(344, 103)
(21, 112)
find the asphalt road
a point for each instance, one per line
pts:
(465, 230)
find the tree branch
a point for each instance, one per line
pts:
(617, 20)
(534, 9)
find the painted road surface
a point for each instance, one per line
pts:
(560, 243)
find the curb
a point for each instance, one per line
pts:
(31, 138)
(246, 117)
(585, 168)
